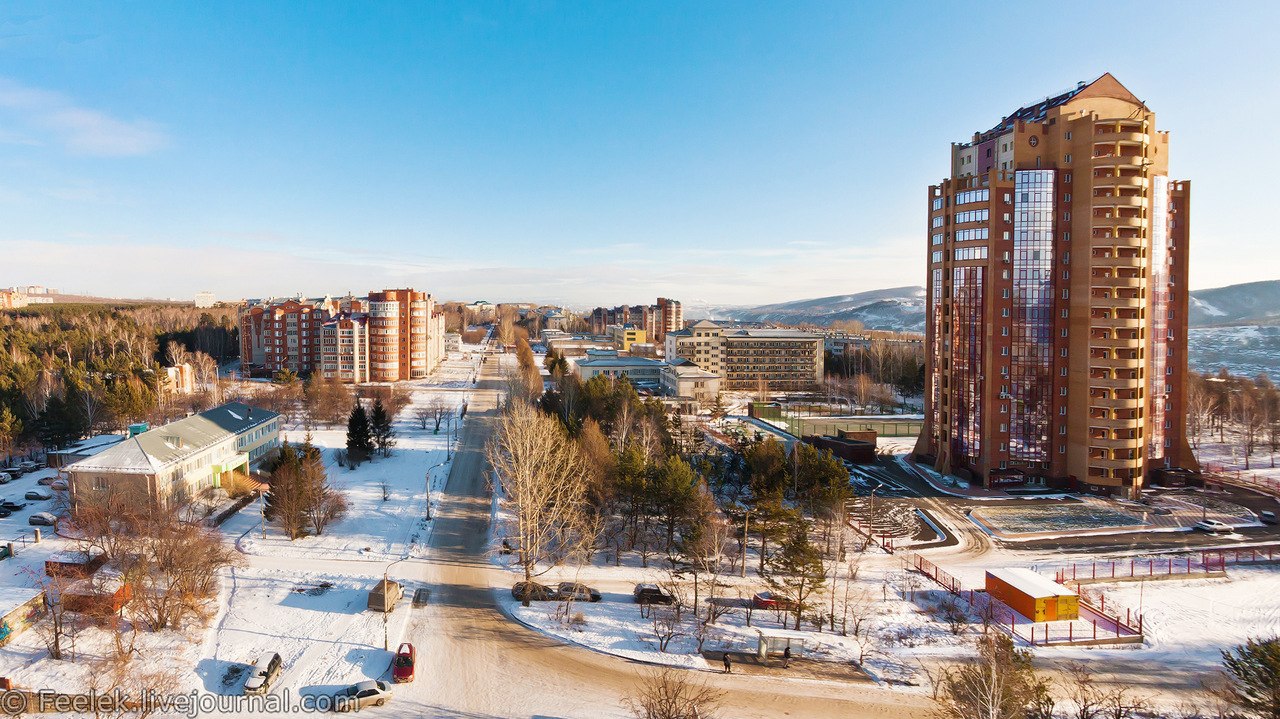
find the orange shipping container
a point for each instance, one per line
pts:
(1033, 596)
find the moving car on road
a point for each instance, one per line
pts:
(403, 664)
(361, 695)
(533, 591)
(650, 594)
(577, 592)
(1213, 526)
(263, 674)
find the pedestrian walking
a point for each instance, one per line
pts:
(786, 657)
(728, 668)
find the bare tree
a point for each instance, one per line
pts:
(177, 570)
(1001, 684)
(539, 470)
(668, 693)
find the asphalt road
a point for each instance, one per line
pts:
(476, 663)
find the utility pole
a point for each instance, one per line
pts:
(746, 522)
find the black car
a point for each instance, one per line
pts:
(5, 512)
(11, 505)
(532, 591)
(650, 594)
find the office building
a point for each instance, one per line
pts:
(1057, 299)
(773, 360)
(176, 461)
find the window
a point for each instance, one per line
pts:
(937, 221)
(1067, 136)
(937, 203)
(1067, 158)
(1066, 177)
(970, 253)
(937, 256)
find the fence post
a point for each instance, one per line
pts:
(1095, 628)
(1095, 569)
(1071, 632)
(1113, 569)
(1151, 567)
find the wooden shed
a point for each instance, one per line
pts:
(75, 563)
(1035, 597)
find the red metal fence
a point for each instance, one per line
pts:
(1095, 623)
(1139, 567)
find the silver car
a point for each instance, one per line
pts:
(264, 672)
(361, 695)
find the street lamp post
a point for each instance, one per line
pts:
(386, 642)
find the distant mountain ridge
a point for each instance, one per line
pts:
(1252, 303)
(901, 309)
(897, 308)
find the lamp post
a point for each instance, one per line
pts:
(386, 642)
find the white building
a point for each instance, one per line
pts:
(205, 299)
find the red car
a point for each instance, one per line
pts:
(402, 665)
(769, 600)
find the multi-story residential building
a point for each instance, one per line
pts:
(406, 335)
(344, 348)
(279, 334)
(12, 299)
(669, 317)
(396, 334)
(656, 319)
(176, 461)
(776, 360)
(205, 299)
(1057, 298)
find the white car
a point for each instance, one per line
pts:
(42, 519)
(39, 493)
(59, 484)
(264, 672)
(361, 695)
(1213, 525)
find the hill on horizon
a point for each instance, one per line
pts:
(901, 309)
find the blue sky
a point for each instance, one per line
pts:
(731, 153)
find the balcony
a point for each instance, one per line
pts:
(1112, 383)
(1112, 180)
(1129, 282)
(1119, 201)
(1112, 137)
(1119, 160)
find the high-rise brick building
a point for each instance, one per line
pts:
(406, 335)
(1057, 299)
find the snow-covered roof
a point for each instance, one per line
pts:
(152, 451)
(13, 597)
(1031, 583)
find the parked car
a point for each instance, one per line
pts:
(264, 674)
(5, 512)
(10, 505)
(60, 485)
(5, 478)
(46, 481)
(361, 695)
(533, 591)
(42, 519)
(39, 493)
(29, 467)
(402, 666)
(14, 471)
(420, 597)
(1213, 525)
(1267, 516)
(577, 592)
(769, 600)
(650, 594)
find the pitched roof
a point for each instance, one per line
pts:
(1105, 85)
(152, 451)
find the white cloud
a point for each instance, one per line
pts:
(51, 117)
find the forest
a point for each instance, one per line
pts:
(71, 370)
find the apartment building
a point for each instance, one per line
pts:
(176, 461)
(1057, 299)
(279, 334)
(406, 335)
(12, 299)
(394, 334)
(344, 348)
(777, 360)
(656, 320)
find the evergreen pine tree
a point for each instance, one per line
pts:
(359, 436)
(380, 427)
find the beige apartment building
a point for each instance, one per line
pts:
(1057, 295)
(776, 360)
(344, 348)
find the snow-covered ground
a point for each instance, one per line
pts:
(282, 601)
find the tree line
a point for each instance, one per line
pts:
(67, 371)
